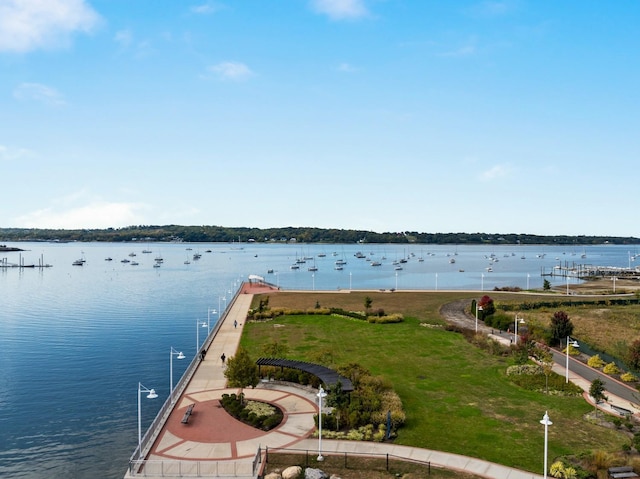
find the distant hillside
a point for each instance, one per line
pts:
(221, 234)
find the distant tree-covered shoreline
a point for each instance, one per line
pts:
(221, 234)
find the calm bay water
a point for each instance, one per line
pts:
(76, 340)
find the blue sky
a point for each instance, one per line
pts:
(509, 116)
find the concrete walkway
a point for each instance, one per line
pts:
(213, 444)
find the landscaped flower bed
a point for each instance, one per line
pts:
(254, 413)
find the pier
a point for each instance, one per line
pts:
(211, 443)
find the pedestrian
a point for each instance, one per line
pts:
(235, 323)
(223, 357)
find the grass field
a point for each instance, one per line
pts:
(456, 397)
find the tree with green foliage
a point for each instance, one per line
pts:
(546, 285)
(596, 391)
(561, 327)
(241, 371)
(367, 303)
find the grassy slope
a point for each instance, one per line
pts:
(456, 397)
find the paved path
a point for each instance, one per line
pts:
(215, 444)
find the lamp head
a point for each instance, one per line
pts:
(152, 394)
(180, 355)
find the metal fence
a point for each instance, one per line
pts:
(343, 458)
(183, 468)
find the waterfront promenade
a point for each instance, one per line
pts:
(213, 444)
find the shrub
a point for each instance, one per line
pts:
(392, 318)
(628, 377)
(611, 368)
(596, 362)
(524, 370)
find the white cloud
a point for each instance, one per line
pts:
(467, 49)
(341, 9)
(97, 214)
(494, 8)
(206, 8)
(231, 71)
(124, 38)
(497, 171)
(27, 25)
(347, 68)
(13, 154)
(38, 92)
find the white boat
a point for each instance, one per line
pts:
(78, 262)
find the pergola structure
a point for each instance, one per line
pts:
(327, 376)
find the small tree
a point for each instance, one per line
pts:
(546, 285)
(241, 371)
(488, 308)
(367, 303)
(596, 391)
(561, 327)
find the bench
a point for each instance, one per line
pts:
(187, 413)
(621, 472)
(622, 411)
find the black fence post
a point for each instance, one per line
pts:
(345, 460)
(387, 462)
(429, 467)
(266, 454)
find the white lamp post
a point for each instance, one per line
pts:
(396, 281)
(528, 281)
(436, 281)
(575, 345)
(321, 394)
(567, 285)
(313, 281)
(198, 325)
(517, 320)
(614, 284)
(478, 308)
(152, 395)
(179, 355)
(482, 282)
(350, 281)
(209, 312)
(545, 421)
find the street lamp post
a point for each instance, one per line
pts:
(575, 345)
(396, 281)
(350, 280)
(198, 325)
(313, 281)
(567, 285)
(179, 355)
(482, 282)
(520, 321)
(528, 281)
(152, 395)
(209, 311)
(321, 394)
(478, 308)
(436, 281)
(545, 421)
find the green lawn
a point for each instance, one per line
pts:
(456, 397)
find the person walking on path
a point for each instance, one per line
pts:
(223, 357)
